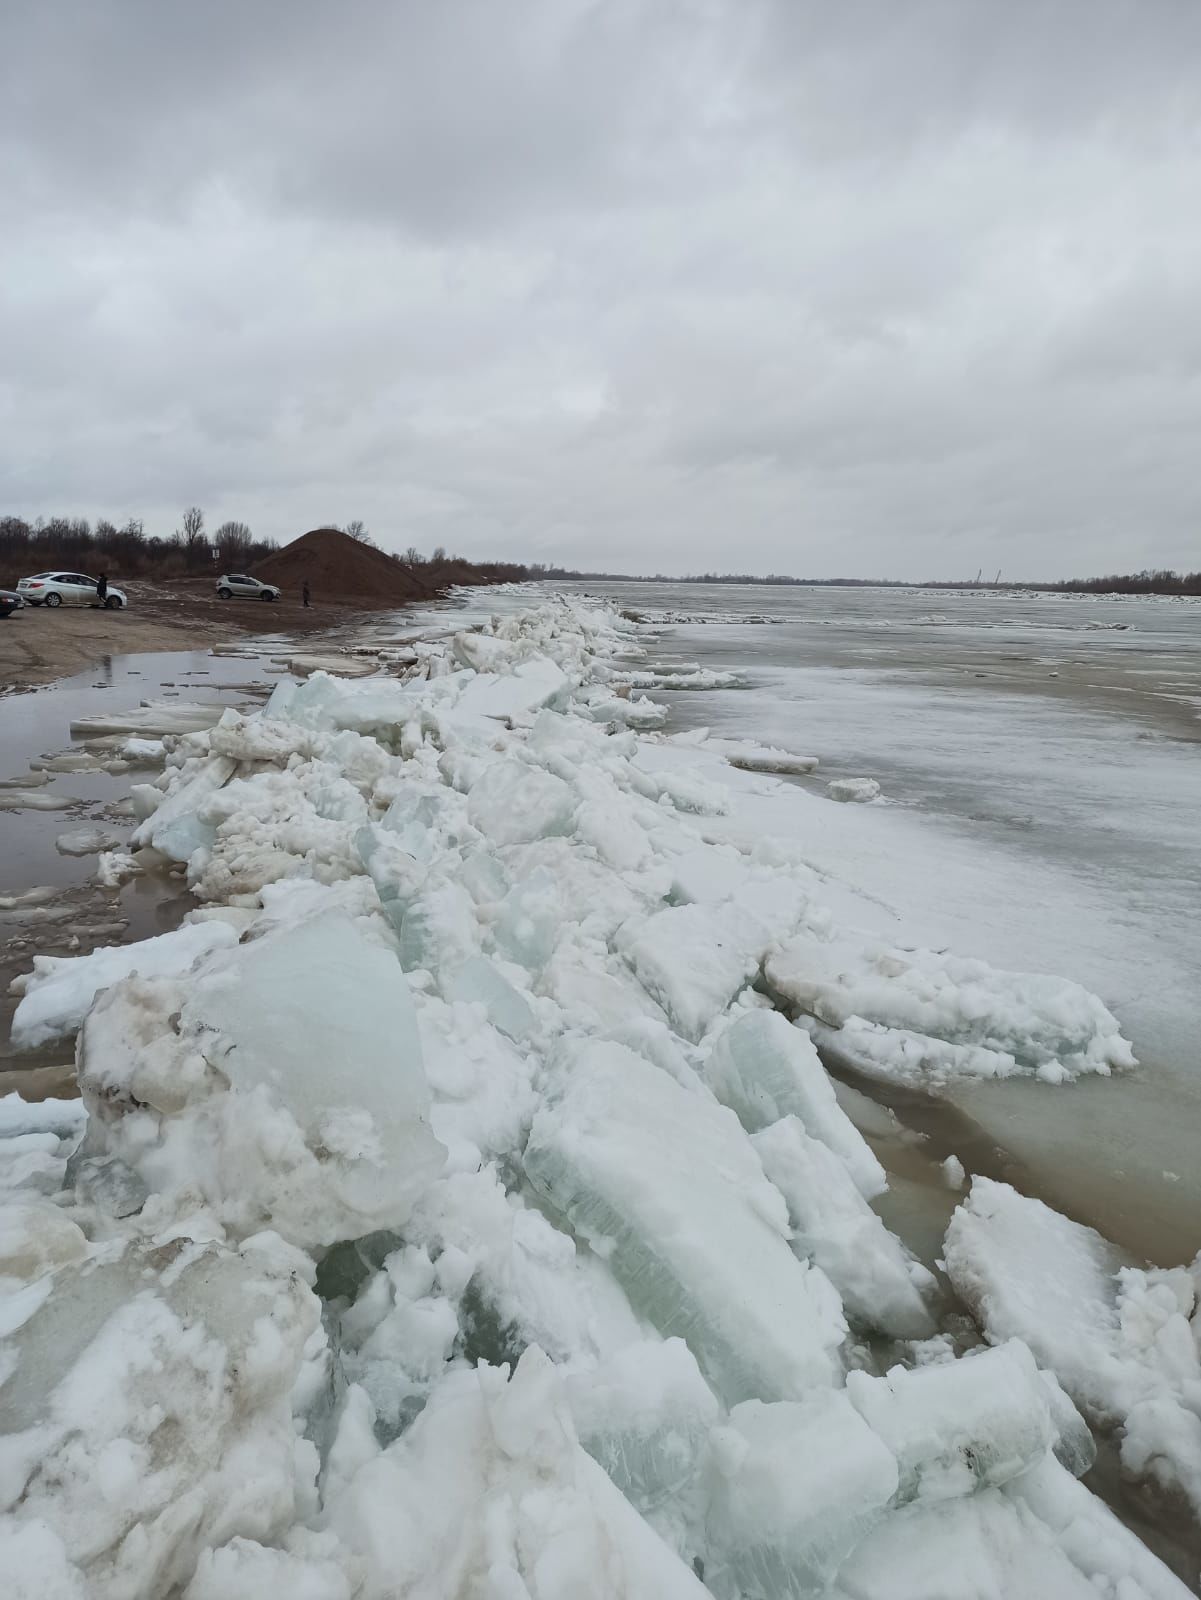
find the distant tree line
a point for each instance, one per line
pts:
(1160, 581)
(76, 544)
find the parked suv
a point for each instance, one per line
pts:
(236, 585)
(68, 589)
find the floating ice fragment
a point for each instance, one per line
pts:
(853, 789)
(35, 799)
(953, 1174)
(152, 718)
(769, 759)
(86, 842)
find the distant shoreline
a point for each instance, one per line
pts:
(1174, 586)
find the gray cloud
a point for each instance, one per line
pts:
(775, 284)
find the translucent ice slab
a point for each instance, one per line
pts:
(764, 1068)
(665, 1185)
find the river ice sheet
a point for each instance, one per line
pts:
(314, 1305)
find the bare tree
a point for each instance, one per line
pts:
(358, 530)
(413, 556)
(233, 541)
(192, 537)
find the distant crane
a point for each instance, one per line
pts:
(997, 579)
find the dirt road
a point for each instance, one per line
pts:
(37, 645)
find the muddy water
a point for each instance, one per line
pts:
(80, 914)
(37, 725)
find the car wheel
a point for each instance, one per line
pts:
(112, 603)
(225, 594)
(266, 595)
(54, 599)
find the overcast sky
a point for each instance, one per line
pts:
(872, 287)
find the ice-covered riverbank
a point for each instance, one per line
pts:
(463, 1208)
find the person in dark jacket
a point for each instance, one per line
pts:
(102, 588)
(304, 593)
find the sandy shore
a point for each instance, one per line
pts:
(37, 645)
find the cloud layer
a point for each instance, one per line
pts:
(862, 288)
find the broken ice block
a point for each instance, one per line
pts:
(173, 826)
(158, 1385)
(438, 928)
(489, 1493)
(795, 1486)
(60, 989)
(764, 1068)
(513, 803)
(959, 1425)
(527, 928)
(531, 684)
(1025, 1020)
(853, 789)
(693, 960)
(881, 1285)
(283, 1086)
(476, 981)
(666, 1187)
(770, 759)
(645, 1416)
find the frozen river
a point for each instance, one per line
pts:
(1040, 759)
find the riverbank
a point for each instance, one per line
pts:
(38, 646)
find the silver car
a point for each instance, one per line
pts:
(236, 585)
(68, 589)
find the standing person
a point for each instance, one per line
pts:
(102, 588)
(304, 594)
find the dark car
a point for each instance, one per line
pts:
(10, 601)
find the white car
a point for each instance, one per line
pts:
(238, 585)
(68, 589)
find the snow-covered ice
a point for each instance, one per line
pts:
(58, 993)
(858, 790)
(458, 1204)
(86, 842)
(1122, 1340)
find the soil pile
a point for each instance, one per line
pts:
(337, 566)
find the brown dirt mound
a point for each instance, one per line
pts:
(338, 566)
